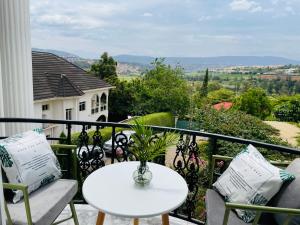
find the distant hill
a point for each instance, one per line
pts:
(66, 55)
(198, 63)
(128, 64)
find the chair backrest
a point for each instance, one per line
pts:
(289, 194)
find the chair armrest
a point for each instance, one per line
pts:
(259, 210)
(21, 187)
(267, 209)
(24, 189)
(64, 146)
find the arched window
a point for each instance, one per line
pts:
(103, 102)
(101, 118)
(95, 104)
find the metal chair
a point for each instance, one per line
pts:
(284, 207)
(43, 206)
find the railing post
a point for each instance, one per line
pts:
(113, 150)
(69, 128)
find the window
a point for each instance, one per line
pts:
(95, 104)
(103, 102)
(81, 106)
(45, 107)
(68, 114)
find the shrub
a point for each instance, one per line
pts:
(221, 95)
(238, 124)
(63, 136)
(155, 119)
(255, 102)
(288, 111)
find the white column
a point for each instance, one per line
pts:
(2, 214)
(2, 128)
(16, 62)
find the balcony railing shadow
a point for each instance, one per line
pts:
(186, 159)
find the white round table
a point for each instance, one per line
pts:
(112, 190)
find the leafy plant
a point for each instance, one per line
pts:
(254, 102)
(145, 147)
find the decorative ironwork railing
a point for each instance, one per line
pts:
(186, 159)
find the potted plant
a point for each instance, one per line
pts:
(146, 148)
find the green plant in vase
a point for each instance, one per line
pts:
(147, 148)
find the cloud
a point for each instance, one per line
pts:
(147, 14)
(245, 5)
(70, 21)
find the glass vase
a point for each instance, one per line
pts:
(142, 175)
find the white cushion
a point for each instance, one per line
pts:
(27, 158)
(250, 179)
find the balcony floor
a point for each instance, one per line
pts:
(87, 216)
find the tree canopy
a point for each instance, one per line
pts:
(255, 102)
(161, 89)
(106, 69)
(204, 88)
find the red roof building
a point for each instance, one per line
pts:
(223, 105)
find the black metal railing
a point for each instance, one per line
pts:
(91, 153)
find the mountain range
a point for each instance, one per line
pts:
(190, 64)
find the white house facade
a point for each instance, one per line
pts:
(66, 92)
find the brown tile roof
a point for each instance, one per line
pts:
(51, 73)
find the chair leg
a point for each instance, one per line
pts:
(165, 219)
(100, 218)
(74, 214)
(135, 221)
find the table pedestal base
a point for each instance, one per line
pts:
(101, 217)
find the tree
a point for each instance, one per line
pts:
(106, 69)
(204, 88)
(221, 95)
(255, 102)
(120, 101)
(161, 89)
(213, 86)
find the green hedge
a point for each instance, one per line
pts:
(155, 119)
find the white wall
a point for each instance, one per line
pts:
(57, 110)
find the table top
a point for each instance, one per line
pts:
(112, 190)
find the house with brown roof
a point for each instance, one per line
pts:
(63, 90)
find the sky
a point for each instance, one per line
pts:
(161, 28)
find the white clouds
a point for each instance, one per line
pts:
(204, 18)
(164, 27)
(90, 15)
(74, 22)
(147, 14)
(245, 5)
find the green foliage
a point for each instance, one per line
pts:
(254, 102)
(120, 101)
(204, 88)
(161, 89)
(156, 119)
(106, 69)
(221, 95)
(288, 111)
(237, 124)
(144, 148)
(63, 136)
(213, 86)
